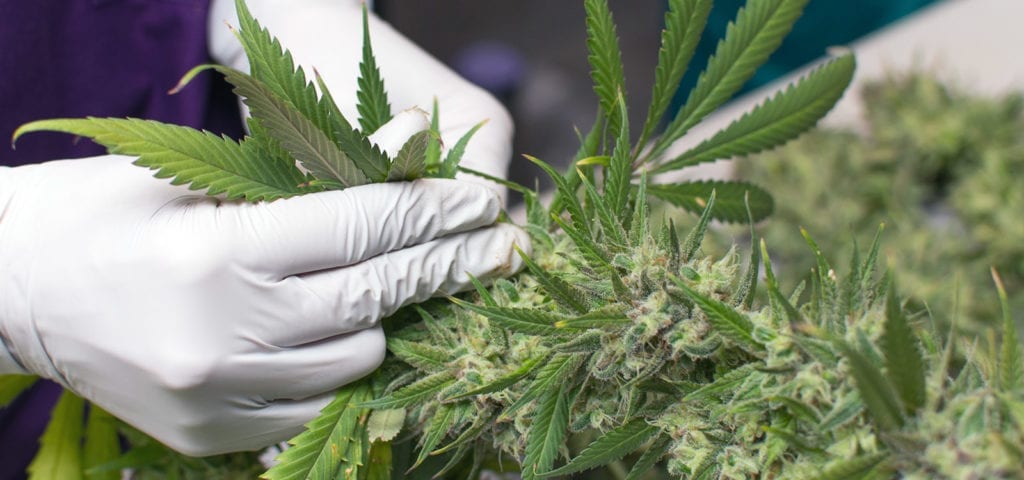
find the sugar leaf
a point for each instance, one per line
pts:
(609, 447)
(332, 441)
(547, 431)
(527, 320)
(875, 390)
(727, 321)
(384, 425)
(904, 364)
(414, 393)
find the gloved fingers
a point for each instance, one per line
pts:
(356, 297)
(305, 371)
(249, 426)
(339, 228)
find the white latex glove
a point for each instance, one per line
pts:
(218, 326)
(328, 35)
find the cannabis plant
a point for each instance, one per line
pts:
(936, 164)
(621, 346)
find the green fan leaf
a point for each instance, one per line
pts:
(526, 320)
(410, 162)
(875, 390)
(730, 204)
(778, 300)
(60, 447)
(414, 393)
(903, 361)
(102, 444)
(295, 133)
(332, 441)
(373, 106)
(605, 59)
(12, 385)
(427, 358)
(758, 30)
(727, 321)
(776, 121)
(450, 165)
(609, 447)
(273, 65)
(684, 24)
(724, 384)
(547, 431)
(198, 158)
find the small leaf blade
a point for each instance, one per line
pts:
(374, 109)
(609, 447)
(410, 162)
(777, 120)
(60, 450)
(730, 201)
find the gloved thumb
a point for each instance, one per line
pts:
(392, 135)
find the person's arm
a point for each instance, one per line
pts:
(328, 35)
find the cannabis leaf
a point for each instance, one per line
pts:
(776, 121)
(409, 163)
(201, 159)
(605, 60)
(903, 362)
(684, 23)
(609, 447)
(298, 135)
(373, 106)
(757, 32)
(12, 385)
(730, 204)
(334, 437)
(60, 447)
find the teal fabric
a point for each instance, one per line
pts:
(824, 23)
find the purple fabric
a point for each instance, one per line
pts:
(72, 58)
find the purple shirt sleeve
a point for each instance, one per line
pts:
(73, 58)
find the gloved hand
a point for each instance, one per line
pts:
(328, 35)
(217, 326)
